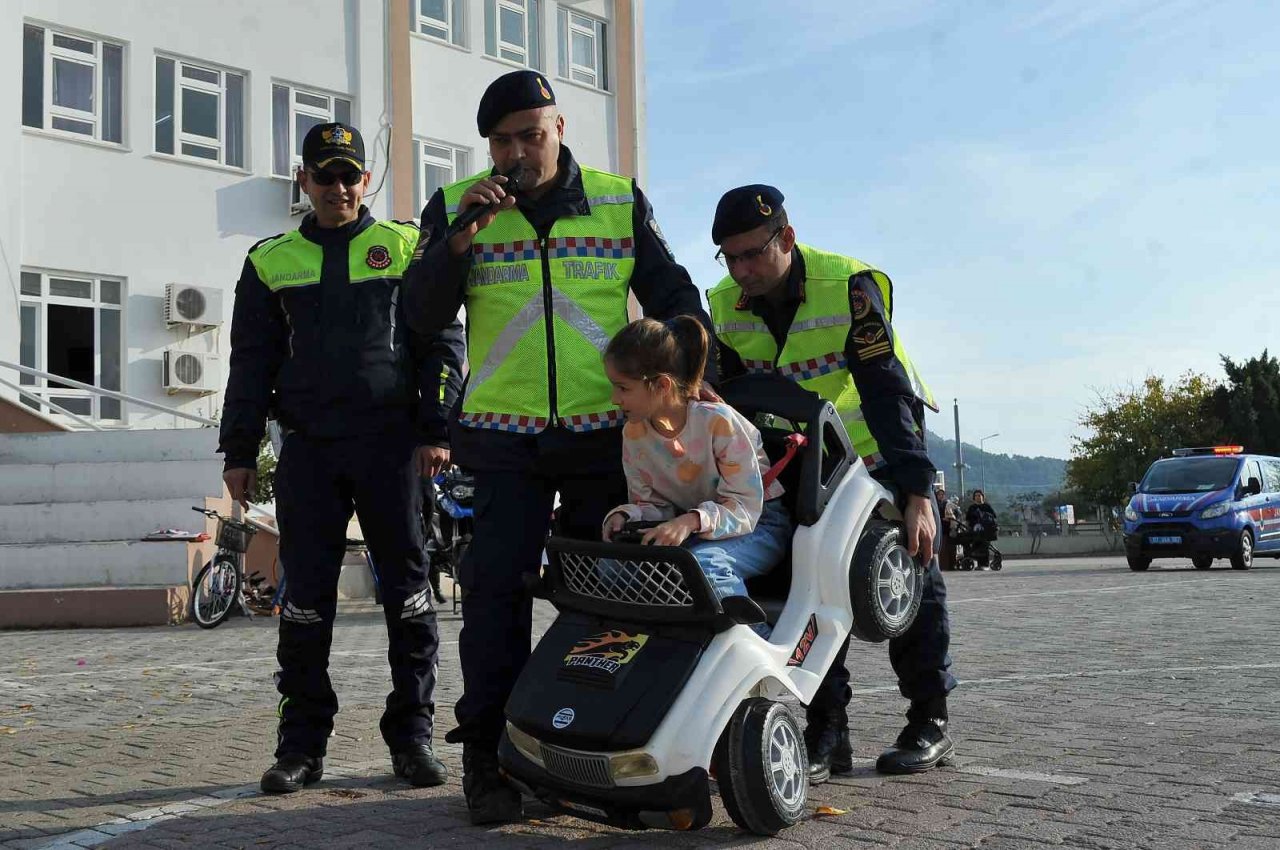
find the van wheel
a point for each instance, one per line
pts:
(1202, 562)
(1137, 563)
(885, 585)
(762, 767)
(1243, 557)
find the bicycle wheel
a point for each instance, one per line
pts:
(214, 592)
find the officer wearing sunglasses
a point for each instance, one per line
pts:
(318, 322)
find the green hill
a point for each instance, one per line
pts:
(1006, 475)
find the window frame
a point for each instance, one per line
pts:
(42, 387)
(594, 28)
(49, 111)
(460, 164)
(221, 91)
(531, 12)
(294, 143)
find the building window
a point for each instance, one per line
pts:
(199, 112)
(441, 19)
(512, 31)
(439, 164)
(582, 48)
(72, 84)
(70, 325)
(294, 111)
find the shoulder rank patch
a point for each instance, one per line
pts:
(871, 340)
(424, 236)
(662, 240)
(859, 304)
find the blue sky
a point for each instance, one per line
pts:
(1068, 195)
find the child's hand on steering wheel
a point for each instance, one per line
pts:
(673, 532)
(613, 524)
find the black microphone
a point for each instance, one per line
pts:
(515, 179)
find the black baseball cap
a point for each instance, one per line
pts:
(513, 92)
(326, 144)
(745, 208)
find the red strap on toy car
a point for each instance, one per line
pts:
(794, 442)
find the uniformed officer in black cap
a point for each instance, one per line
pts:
(825, 320)
(545, 274)
(363, 402)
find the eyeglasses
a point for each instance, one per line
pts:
(747, 256)
(328, 178)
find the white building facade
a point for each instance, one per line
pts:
(155, 143)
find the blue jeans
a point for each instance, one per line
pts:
(729, 562)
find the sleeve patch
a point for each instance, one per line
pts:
(662, 240)
(871, 340)
(859, 304)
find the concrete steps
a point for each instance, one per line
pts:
(24, 566)
(72, 522)
(73, 507)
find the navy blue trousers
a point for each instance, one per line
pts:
(512, 520)
(318, 485)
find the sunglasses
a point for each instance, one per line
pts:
(328, 178)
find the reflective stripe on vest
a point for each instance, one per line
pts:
(813, 353)
(582, 271)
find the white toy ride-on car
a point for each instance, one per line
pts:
(646, 686)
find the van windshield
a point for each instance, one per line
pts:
(1190, 475)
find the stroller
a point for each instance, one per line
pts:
(976, 536)
(448, 526)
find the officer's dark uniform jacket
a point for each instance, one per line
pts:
(890, 406)
(436, 288)
(338, 354)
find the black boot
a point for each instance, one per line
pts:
(419, 765)
(490, 798)
(291, 772)
(826, 737)
(923, 745)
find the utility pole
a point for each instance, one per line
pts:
(982, 447)
(959, 451)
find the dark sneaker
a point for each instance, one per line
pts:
(923, 745)
(826, 738)
(490, 798)
(419, 766)
(291, 772)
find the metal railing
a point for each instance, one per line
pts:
(80, 385)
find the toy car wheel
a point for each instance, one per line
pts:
(884, 584)
(1243, 557)
(1202, 562)
(1137, 563)
(762, 767)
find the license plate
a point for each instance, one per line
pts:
(1164, 541)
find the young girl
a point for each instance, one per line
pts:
(698, 465)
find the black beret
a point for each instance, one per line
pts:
(745, 208)
(512, 93)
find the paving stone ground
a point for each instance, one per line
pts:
(1099, 708)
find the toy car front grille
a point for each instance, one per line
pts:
(621, 580)
(589, 771)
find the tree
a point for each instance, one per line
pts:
(1248, 405)
(1130, 428)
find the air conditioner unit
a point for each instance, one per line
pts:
(190, 372)
(299, 204)
(198, 306)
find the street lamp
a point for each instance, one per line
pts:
(982, 448)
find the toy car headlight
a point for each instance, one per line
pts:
(631, 765)
(526, 744)
(461, 492)
(1216, 510)
(1130, 514)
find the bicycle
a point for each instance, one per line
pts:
(219, 586)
